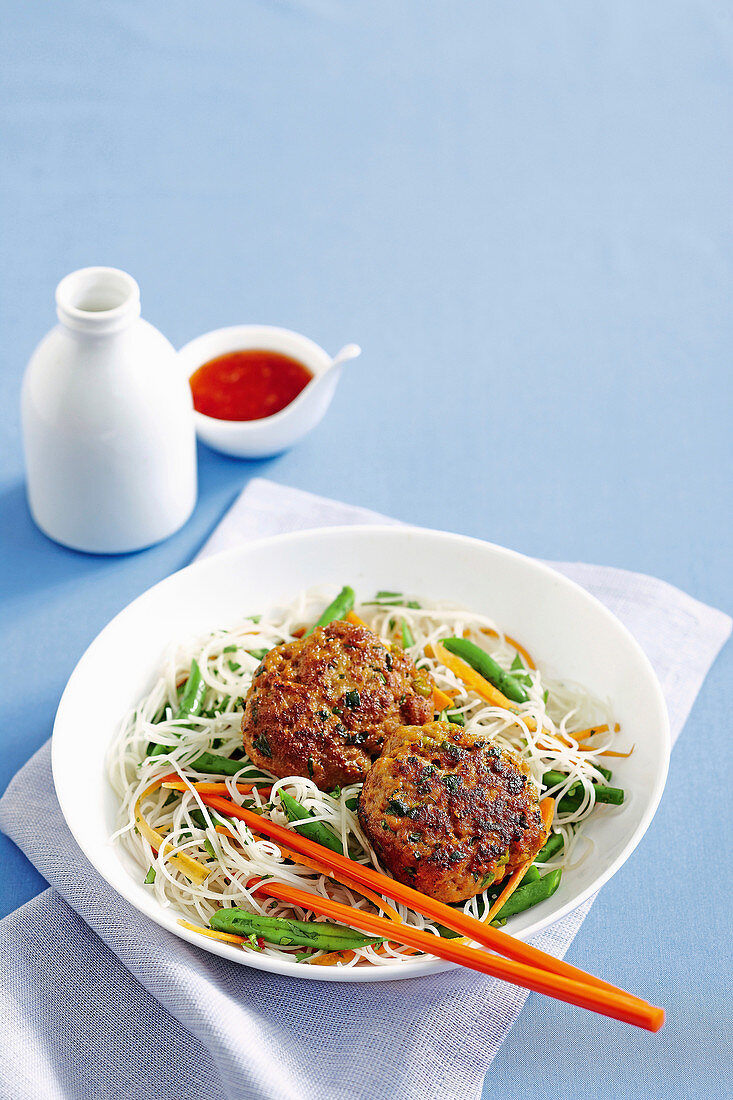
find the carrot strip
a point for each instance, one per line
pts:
(178, 784)
(583, 735)
(565, 741)
(547, 809)
(332, 958)
(475, 682)
(335, 957)
(470, 677)
(512, 883)
(453, 918)
(607, 1001)
(190, 867)
(441, 699)
(321, 869)
(226, 937)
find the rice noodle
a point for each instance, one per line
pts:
(227, 669)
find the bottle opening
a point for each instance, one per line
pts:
(98, 298)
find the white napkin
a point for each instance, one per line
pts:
(98, 1001)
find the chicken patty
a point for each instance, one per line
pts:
(322, 706)
(450, 813)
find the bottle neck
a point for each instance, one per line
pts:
(97, 300)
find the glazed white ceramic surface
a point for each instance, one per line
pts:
(568, 632)
(272, 434)
(108, 430)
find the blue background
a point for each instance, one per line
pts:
(522, 211)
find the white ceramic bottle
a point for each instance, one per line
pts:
(108, 423)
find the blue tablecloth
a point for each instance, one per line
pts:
(522, 212)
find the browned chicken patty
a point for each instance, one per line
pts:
(449, 813)
(322, 706)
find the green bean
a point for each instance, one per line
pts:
(194, 693)
(408, 639)
(487, 667)
(337, 609)
(190, 705)
(213, 764)
(573, 796)
(553, 845)
(447, 933)
(573, 799)
(525, 896)
(532, 874)
(552, 777)
(290, 933)
(317, 831)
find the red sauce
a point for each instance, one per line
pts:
(247, 385)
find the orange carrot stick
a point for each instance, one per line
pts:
(177, 784)
(332, 958)
(470, 677)
(190, 867)
(512, 883)
(547, 809)
(436, 910)
(475, 682)
(226, 937)
(440, 699)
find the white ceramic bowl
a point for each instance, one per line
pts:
(272, 434)
(567, 631)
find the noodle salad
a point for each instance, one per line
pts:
(182, 744)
